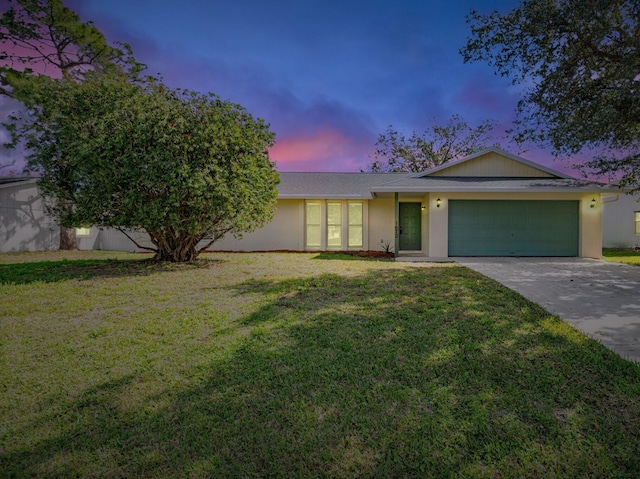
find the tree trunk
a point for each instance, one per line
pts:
(68, 240)
(175, 248)
(178, 255)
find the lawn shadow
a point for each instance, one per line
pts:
(64, 270)
(395, 373)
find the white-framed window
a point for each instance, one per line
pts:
(334, 224)
(637, 218)
(83, 231)
(355, 219)
(313, 222)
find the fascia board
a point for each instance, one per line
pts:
(368, 196)
(557, 189)
(19, 183)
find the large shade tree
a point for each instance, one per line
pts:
(579, 61)
(436, 145)
(183, 166)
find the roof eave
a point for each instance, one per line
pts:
(20, 181)
(556, 189)
(367, 196)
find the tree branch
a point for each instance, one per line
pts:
(134, 241)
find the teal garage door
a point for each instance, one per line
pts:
(513, 228)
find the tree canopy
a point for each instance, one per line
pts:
(435, 146)
(579, 61)
(181, 165)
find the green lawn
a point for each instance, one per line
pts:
(627, 255)
(292, 365)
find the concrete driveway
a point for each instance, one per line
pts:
(600, 298)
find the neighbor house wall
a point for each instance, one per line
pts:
(618, 221)
(24, 225)
(590, 243)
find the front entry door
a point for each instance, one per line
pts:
(410, 226)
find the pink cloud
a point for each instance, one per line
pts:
(324, 150)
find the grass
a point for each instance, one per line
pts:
(622, 255)
(279, 365)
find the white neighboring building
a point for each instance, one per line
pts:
(621, 221)
(24, 226)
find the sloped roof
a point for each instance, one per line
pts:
(12, 180)
(367, 185)
(333, 185)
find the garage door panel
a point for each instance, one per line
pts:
(513, 228)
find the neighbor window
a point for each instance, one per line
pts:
(313, 221)
(334, 225)
(637, 215)
(354, 213)
(83, 231)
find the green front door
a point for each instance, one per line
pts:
(513, 228)
(410, 226)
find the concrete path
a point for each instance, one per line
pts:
(598, 297)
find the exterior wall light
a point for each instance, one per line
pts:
(438, 203)
(593, 203)
(422, 207)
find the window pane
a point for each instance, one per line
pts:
(313, 236)
(83, 231)
(334, 213)
(312, 219)
(333, 236)
(637, 213)
(355, 213)
(313, 213)
(355, 224)
(334, 225)
(355, 236)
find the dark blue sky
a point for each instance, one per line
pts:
(328, 75)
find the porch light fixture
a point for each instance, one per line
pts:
(593, 203)
(422, 207)
(438, 203)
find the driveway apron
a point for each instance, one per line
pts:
(599, 298)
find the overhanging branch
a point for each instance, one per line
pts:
(216, 237)
(134, 241)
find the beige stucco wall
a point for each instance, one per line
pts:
(590, 218)
(24, 226)
(618, 221)
(492, 164)
(284, 232)
(381, 223)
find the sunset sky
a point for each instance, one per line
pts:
(327, 75)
